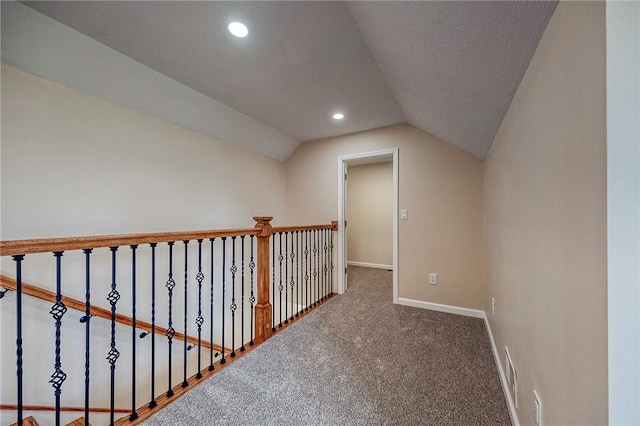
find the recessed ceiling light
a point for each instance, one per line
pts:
(338, 116)
(238, 29)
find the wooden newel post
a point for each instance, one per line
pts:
(263, 305)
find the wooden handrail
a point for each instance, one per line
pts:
(49, 245)
(63, 408)
(301, 228)
(49, 296)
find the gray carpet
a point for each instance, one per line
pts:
(357, 360)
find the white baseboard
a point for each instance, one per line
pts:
(369, 265)
(503, 377)
(475, 313)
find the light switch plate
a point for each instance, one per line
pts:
(404, 214)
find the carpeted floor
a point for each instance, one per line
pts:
(357, 360)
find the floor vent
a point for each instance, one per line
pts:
(512, 377)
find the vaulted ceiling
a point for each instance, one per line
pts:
(448, 68)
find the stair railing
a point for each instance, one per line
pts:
(216, 291)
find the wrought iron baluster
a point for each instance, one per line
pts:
(113, 353)
(170, 330)
(211, 367)
(252, 298)
(57, 311)
(286, 277)
(153, 402)
(280, 287)
(200, 319)
(322, 256)
(273, 283)
(315, 268)
(134, 414)
(233, 305)
(242, 348)
(224, 275)
(87, 330)
(298, 276)
(292, 283)
(325, 262)
(185, 383)
(18, 259)
(320, 276)
(306, 269)
(331, 261)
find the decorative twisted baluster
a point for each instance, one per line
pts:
(224, 275)
(185, 383)
(242, 348)
(57, 311)
(331, 261)
(18, 259)
(113, 354)
(134, 414)
(292, 283)
(315, 268)
(211, 367)
(199, 318)
(280, 287)
(286, 277)
(252, 297)
(325, 263)
(306, 269)
(153, 403)
(233, 305)
(170, 330)
(273, 284)
(298, 280)
(87, 329)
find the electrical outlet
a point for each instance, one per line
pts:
(537, 409)
(493, 306)
(433, 279)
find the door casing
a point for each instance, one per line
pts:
(356, 159)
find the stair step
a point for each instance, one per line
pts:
(29, 421)
(77, 422)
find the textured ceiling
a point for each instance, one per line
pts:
(454, 66)
(449, 68)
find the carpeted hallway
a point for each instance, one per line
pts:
(357, 360)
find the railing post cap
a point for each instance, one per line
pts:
(263, 219)
(263, 223)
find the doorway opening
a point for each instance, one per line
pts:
(343, 164)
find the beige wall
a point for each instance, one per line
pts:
(546, 224)
(76, 165)
(370, 214)
(441, 186)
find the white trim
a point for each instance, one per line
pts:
(369, 265)
(503, 377)
(475, 313)
(343, 160)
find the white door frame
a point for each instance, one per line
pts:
(362, 158)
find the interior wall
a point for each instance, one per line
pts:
(440, 185)
(546, 223)
(623, 210)
(76, 165)
(370, 214)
